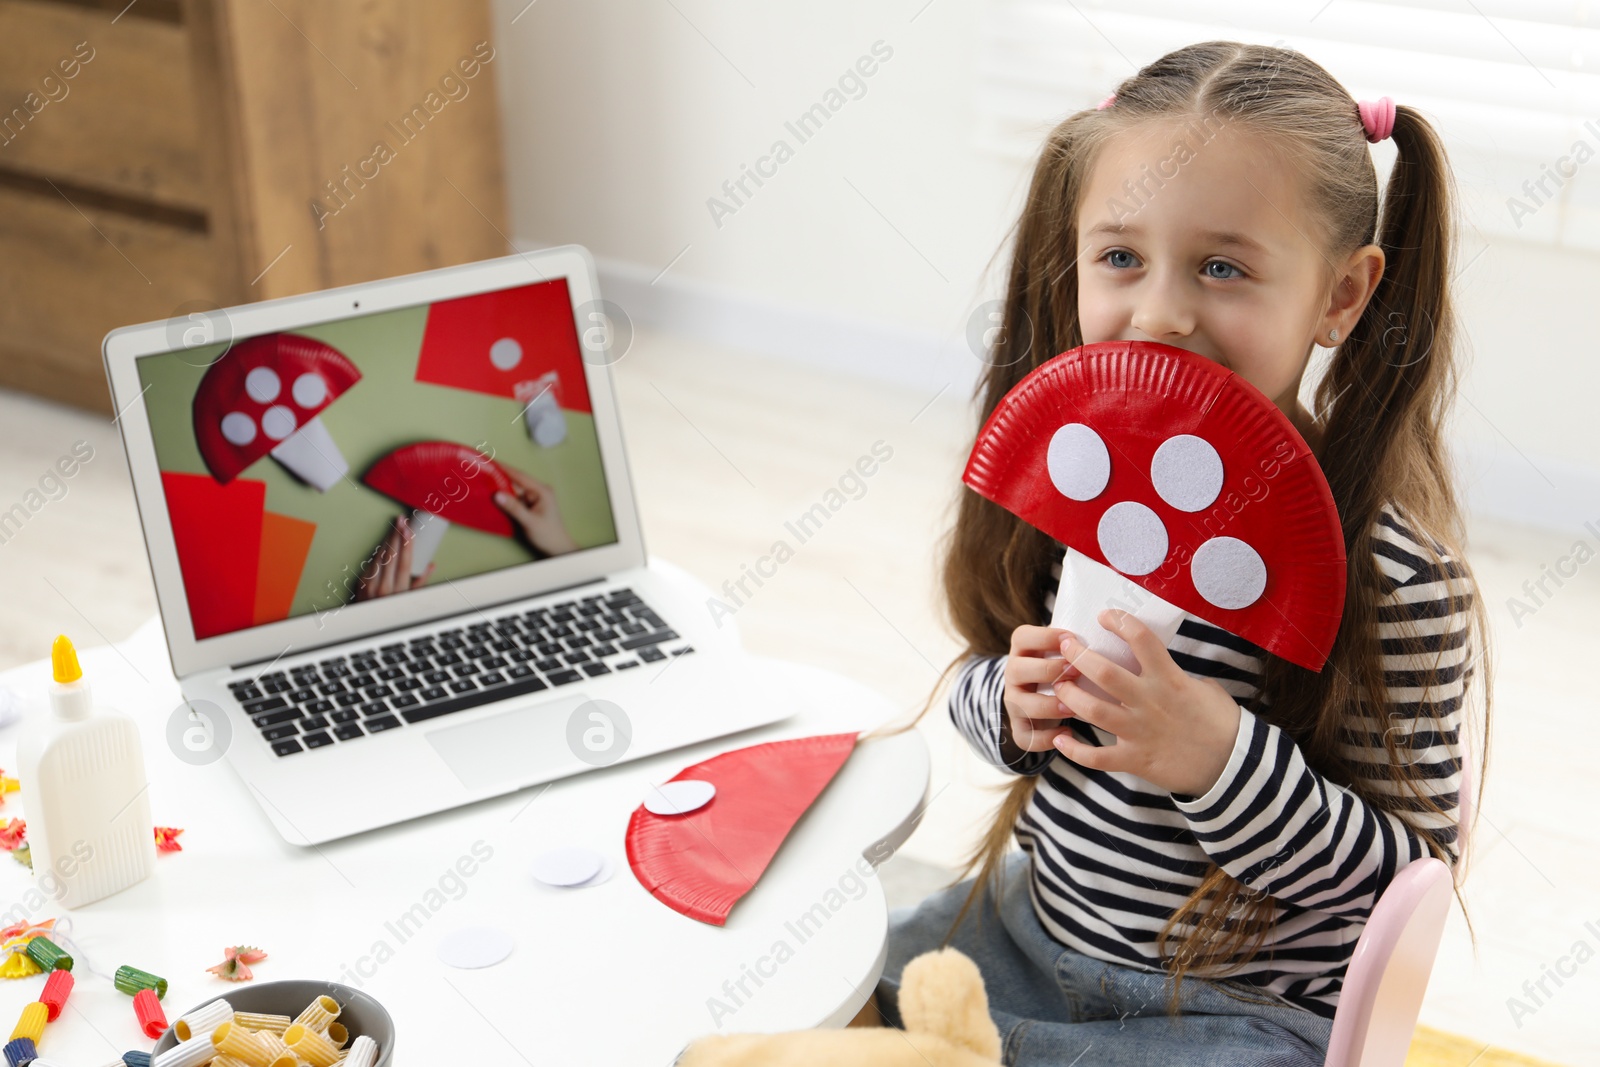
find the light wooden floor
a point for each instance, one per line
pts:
(727, 448)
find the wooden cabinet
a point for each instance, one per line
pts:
(165, 156)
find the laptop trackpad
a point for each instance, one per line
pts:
(515, 745)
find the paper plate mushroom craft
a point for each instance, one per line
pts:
(445, 483)
(1176, 486)
(265, 395)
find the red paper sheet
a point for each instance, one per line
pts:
(217, 532)
(285, 542)
(461, 333)
(700, 863)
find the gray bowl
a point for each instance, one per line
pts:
(361, 1014)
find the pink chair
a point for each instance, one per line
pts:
(1389, 971)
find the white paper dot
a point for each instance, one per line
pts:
(567, 866)
(238, 428)
(505, 353)
(1228, 573)
(680, 797)
(1132, 537)
(1078, 462)
(607, 869)
(278, 422)
(262, 385)
(310, 390)
(474, 947)
(1187, 472)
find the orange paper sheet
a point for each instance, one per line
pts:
(285, 543)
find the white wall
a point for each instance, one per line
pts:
(870, 247)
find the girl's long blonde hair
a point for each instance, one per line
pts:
(1382, 399)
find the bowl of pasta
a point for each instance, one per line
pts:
(295, 1021)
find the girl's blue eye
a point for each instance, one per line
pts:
(1118, 252)
(1222, 277)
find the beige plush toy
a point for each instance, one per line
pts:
(942, 1004)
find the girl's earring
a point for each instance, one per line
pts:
(1333, 336)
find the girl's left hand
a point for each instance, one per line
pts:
(1173, 730)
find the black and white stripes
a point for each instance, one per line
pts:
(1114, 856)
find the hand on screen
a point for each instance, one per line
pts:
(535, 510)
(388, 569)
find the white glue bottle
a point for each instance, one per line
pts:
(83, 791)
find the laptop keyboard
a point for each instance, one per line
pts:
(345, 698)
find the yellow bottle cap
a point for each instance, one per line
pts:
(64, 660)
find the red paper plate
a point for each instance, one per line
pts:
(700, 863)
(1136, 396)
(452, 481)
(260, 392)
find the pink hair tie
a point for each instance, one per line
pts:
(1107, 102)
(1377, 117)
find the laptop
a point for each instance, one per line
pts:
(397, 550)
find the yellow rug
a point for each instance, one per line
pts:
(1435, 1048)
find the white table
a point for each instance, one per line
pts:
(604, 975)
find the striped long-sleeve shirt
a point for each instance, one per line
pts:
(1114, 856)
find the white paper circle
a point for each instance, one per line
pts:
(505, 353)
(1187, 472)
(1228, 573)
(567, 866)
(474, 947)
(1078, 462)
(607, 869)
(680, 797)
(262, 385)
(550, 430)
(238, 428)
(1132, 537)
(278, 422)
(310, 390)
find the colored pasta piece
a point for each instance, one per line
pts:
(48, 955)
(130, 980)
(319, 1013)
(131, 1058)
(203, 1020)
(311, 1045)
(147, 1009)
(363, 1052)
(31, 1024)
(54, 996)
(190, 1053)
(20, 1051)
(337, 1033)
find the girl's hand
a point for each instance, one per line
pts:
(534, 508)
(1174, 731)
(388, 569)
(1033, 719)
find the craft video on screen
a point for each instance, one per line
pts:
(376, 454)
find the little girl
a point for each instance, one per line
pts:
(1199, 856)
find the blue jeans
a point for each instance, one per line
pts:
(1054, 1006)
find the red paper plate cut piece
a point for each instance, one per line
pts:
(702, 862)
(445, 482)
(449, 480)
(265, 394)
(1181, 476)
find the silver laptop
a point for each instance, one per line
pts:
(396, 547)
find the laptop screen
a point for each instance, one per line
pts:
(362, 458)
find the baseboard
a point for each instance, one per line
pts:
(1498, 480)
